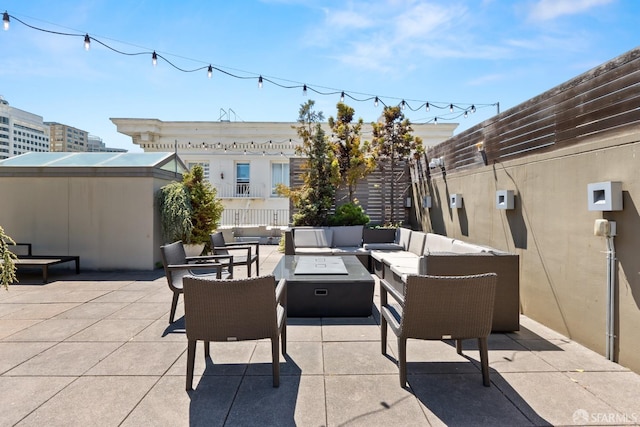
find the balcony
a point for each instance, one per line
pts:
(241, 190)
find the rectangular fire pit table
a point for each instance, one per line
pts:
(332, 286)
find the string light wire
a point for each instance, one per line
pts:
(464, 109)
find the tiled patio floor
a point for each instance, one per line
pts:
(96, 349)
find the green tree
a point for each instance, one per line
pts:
(351, 154)
(393, 142)
(189, 210)
(207, 210)
(320, 170)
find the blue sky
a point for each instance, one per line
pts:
(459, 51)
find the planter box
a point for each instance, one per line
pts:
(379, 235)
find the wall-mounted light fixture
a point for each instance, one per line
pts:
(505, 199)
(483, 153)
(455, 201)
(426, 202)
(438, 162)
(605, 196)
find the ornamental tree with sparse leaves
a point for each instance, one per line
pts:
(352, 154)
(393, 142)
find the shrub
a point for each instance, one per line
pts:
(349, 214)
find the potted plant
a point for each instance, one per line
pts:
(7, 261)
(189, 210)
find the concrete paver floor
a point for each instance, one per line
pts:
(97, 349)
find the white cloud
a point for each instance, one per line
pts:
(380, 35)
(545, 10)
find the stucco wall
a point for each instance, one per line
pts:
(563, 266)
(110, 222)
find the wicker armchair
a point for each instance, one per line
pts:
(244, 253)
(235, 310)
(440, 307)
(177, 265)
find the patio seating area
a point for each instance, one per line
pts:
(97, 349)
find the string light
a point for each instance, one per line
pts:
(404, 104)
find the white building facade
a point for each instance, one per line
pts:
(243, 160)
(21, 131)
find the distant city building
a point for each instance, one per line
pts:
(244, 161)
(67, 138)
(21, 131)
(95, 145)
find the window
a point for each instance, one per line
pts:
(242, 179)
(205, 168)
(279, 175)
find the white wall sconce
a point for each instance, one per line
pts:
(605, 196)
(455, 201)
(426, 202)
(437, 162)
(505, 199)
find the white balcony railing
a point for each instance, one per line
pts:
(244, 217)
(241, 190)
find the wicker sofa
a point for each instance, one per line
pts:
(415, 252)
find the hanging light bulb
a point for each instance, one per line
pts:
(263, 152)
(252, 144)
(210, 71)
(304, 90)
(427, 106)
(435, 120)
(466, 114)
(87, 42)
(403, 104)
(219, 144)
(473, 108)
(235, 145)
(5, 20)
(375, 102)
(281, 154)
(260, 82)
(451, 108)
(342, 97)
(189, 144)
(245, 151)
(154, 58)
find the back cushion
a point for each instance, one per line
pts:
(438, 243)
(349, 235)
(312, 237)
(461, 247)
(403, 235)
(416, 244)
